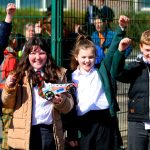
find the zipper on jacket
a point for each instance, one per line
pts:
(149, 88)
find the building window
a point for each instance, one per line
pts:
(30, 3)
(38, 4)
(4, 3)
(48, 3)
(145, 5)
(65, 4)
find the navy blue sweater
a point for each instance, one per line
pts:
(5, 30)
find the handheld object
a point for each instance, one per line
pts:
(52, 89)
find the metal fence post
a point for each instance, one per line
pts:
(59, 31)
(57, 27)
(54, 30)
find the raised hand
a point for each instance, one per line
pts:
(38, 28)
(10, 10)
(57, 99)
(11, 81)
(123, 21)
(124, 43)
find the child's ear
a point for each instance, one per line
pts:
(141, 47)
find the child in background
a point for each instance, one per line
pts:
(9, 64)
(96, 99)
(10, 58)
(36, 123)
(137, 74)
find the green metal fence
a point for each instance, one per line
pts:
(65, 14)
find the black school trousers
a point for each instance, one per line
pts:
(138, 137)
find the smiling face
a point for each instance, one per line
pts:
(145, 49)
(86, 59)
(37, 58)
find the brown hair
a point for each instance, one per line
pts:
(145, 38)
(50, 69)
(82, 42)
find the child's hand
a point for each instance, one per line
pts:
(38, 28)
(11, 81)
(57, 99)
(124, 43)
(73, 143)
(10, 10)
(77, 26)
(123, 21)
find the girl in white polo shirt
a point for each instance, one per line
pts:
(96, 99)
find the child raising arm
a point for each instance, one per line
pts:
(5, 28)
(137, 74)
(96, 101)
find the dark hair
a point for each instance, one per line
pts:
(82, 42)
(49, 10)
(106, 14)
(49, 69)
(83, 29)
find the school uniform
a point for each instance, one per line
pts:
(137, 74)
(96, 100)
(36, 122)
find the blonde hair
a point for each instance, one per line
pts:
(145, 38)
(82, 42)
(27, 26)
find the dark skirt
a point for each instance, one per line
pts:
(42, 137)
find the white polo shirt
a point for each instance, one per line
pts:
(41, 109)
(90, 93)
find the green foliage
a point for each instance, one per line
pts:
(73, 17)
(139, 22)
(22, 17)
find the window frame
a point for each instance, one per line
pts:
(143, 8)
